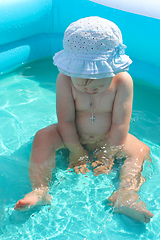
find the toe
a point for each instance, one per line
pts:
(20, 205)
(147, 220)
(148, 214)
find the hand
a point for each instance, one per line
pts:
(78, 161)
(103, 164)
(108, 151)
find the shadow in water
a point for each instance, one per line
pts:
(19, 218)
(42, 71)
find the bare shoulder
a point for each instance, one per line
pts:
(63, 87)
(124, 86)
(123, 79)
(63, 80)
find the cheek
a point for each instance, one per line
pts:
(100, 90)
(80, 89)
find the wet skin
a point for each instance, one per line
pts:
(112, 99)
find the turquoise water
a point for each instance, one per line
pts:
(78, 209)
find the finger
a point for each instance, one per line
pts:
(76, 169)
(87, 170)
(97, 173)
(70, 166)
(147, 220)
(91, 159)
(100, 170)
(84, 170)
(96, 163)
(70, 169)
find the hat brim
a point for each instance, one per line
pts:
(90, 66)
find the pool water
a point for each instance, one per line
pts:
(78, 209)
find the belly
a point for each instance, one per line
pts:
(91, 132)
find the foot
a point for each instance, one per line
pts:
(39, 196)
(128, 203)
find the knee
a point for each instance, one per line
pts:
(48, 136)
(41, 135)
(146, 150)
(142, 152)
(45, 135)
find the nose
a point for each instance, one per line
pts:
(91, 90)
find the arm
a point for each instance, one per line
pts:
(66, 115)
(121, 115)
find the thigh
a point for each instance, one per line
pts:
(53, 136)
(134, 149)
(45, 143)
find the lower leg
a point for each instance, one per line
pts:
(126, 199)
(41, 163)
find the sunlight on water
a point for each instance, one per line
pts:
(79, 208)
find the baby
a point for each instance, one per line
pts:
(94, 104)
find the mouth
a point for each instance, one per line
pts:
(91, 93)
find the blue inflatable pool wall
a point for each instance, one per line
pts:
(31, 30)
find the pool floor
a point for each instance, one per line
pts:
(79, 209)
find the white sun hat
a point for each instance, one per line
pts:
(93, 49)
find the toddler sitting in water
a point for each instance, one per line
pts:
(94, 104)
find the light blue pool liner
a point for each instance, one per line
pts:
(31, 32)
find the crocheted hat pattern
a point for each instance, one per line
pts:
(93, 49)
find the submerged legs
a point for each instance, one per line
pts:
(126, 199)
(41, 163)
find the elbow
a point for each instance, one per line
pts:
(64, 125)
(118, 134)
(120, 128)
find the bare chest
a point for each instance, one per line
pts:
(98, 103)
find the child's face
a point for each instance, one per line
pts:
(91, 86)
